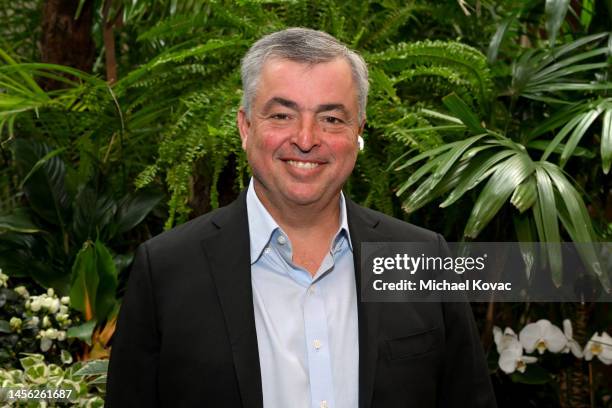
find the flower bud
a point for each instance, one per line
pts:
(54, 306)
(15, 323)
(21, 290)
(35, 305)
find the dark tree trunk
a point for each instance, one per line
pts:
(66, 40)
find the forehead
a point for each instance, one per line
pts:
(308, 85)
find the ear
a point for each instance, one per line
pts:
(362, 127)
(244, 126)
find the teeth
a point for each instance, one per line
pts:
(303, 165)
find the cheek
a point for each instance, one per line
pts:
(266, 142)
(344, 150)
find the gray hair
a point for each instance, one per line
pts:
(305, 46)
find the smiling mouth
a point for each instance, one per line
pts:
(302, 164)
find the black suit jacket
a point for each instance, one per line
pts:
(186, 331)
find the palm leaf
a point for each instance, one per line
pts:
(549, 225)
(577, 134)
(478, 171)
(496, 192)
(606, 141)
(555, 14)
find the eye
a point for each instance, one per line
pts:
(280, 116)
(332, 120)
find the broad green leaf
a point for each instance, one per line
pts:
(475, 175)
(452, 156)
(567, 48)
(107, 287)
(460, 109)
(94, 281)
(134, 209)
(85, 281)
(442, 116)
(18, 221)
(31, 360)
(428, 129)
(527, 241)
(66, 357)
(92, 214)
(496, 192)
(22, 73)
(93, 367)
(581, 230)
(555, 15)
(428, 191)
(606, 141)
(573, 69)
(586, 14)
(571, 86)
(550, 226)
(101, 380)
(577, 134)
(498, 37)
(433, 152)
(41, 163)
(429, 166)
(83, 331)
(542, 145)
(525, 195)
(45, 188)
(569, 126)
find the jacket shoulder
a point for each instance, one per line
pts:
(185, 236)
(396, 229)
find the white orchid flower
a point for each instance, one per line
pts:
(572, 345)
(512, 359)
(505, 339)
(542, 335)
(600, 346)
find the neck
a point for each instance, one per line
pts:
(319, 218)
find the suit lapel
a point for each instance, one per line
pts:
(362, 228)
(227, 250)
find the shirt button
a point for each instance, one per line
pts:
(311, 290)
(267, 250)
(281, 239)
(316, 344)
(323, 404)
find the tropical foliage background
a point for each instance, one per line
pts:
(486, 120)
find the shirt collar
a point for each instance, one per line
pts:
(262, 225)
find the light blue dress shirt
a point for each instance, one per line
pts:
(307, 330)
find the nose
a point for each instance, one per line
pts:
(307, 135)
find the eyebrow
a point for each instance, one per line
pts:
(277, 100)
(294, 106)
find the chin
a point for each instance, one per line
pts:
(302, 197)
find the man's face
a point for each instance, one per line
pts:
(301, 137)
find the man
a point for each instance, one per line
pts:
(257, 304)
